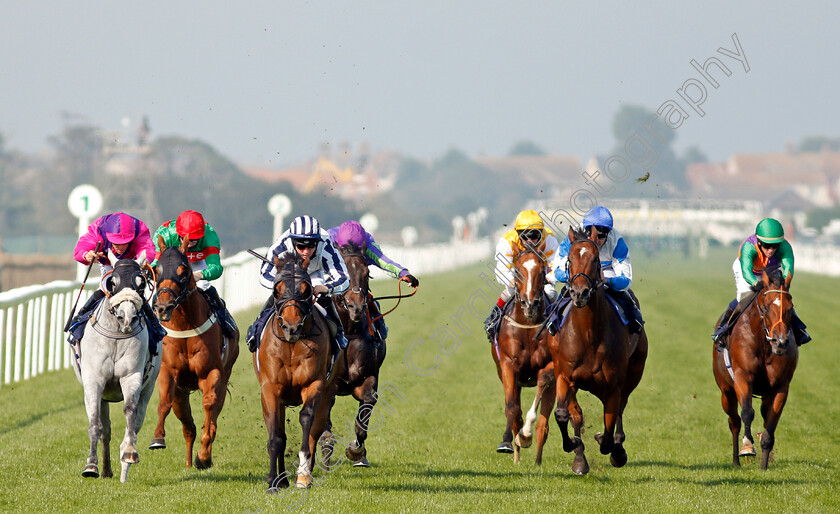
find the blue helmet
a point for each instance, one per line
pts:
(305, 227)
(598, 216)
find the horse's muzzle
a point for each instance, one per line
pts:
(779, 346)
(164, 312)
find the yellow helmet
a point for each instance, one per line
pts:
(529, 219)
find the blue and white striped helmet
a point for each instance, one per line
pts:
(305, 227)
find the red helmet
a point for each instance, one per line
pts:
(190, 224)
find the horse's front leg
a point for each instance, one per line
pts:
(568, 408)
(93, 405)
(183, 411)
(744, 392)
(214, 392)
(546, 406)
(771, 408)
(166, 390)
(274, 414)
(105, 417)
(130, 386)
(513, 411)
(366, 395)
(311, 397)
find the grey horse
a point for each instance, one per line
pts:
(115, 365)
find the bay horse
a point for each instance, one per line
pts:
(523, 359)
(292, 364)
(196, 354)
(594, 351)
(763, 357)
(115, 365)
(363, 356)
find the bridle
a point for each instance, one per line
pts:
(516, 294)
(768, 332)
(291, 276)
(592, 283)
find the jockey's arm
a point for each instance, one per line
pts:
(209, 245)
(748, 255)
(786, 259)
(374, 253)
(504, 263)
(558, 264)
(334, 269)
(621, 266)
(267, 268)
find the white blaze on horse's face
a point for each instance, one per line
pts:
(777, 302)
(529, 267)
(583, 251)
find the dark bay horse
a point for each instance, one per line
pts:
(363, 356)
(292, 365)
(763, 358)
(523, 361)
(594, 351)
(196, 355)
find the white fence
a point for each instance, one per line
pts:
(32, 318)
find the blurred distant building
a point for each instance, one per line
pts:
(552, 172)
(783, 181)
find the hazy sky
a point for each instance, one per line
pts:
(266, 82)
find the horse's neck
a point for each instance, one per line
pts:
(104, 316)
(585, 319)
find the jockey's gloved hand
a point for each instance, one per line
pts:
(757, 286)
(411, 279)
(320, 289)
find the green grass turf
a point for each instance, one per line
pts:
(433, 447)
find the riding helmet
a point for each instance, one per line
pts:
(528, 219)
(599, 217)
(305, 227)
(120, 228)
(190, 223)
(770, 231)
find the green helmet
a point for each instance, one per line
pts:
(770, 231)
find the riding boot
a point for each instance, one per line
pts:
(156, 330)
(77, 327)
(326, 302)
(217, 305)
(491, 324)
(799, 333)
(256, 328)
(637, 323)
(726, 323)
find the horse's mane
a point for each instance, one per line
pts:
(282, 261)
(578, 233)
(352, 248)
(775, 276)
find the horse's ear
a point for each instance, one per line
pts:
(786, 285)
(572, 235)
(765, 278)
(161, 242)
(185, 244)
(277, 262)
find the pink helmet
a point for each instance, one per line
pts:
(350, 232)
(120, 228)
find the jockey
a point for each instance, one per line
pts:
(119, 236)
(203, 254)
(528, 232)
(353, 232)
(616, 269)
(766, 249)
(327, 272)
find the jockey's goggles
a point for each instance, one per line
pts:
(769, 246)
(533, 234)
(603, 232)
(305, 243)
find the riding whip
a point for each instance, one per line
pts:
(84, 281)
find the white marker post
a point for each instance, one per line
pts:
(279, 206)
(458, 229)
(84, 202)
(369, 222)
(409, 236)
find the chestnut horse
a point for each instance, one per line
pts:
(523, 359)
(763, 357)
(595, 352)
(292, 364)
(196, 355)
(363, 355)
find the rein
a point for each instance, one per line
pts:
(399, 297)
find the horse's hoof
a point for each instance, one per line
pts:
(604, 445)
(505, 447)
(361, 463)
(524, 442)
(747, 452)
(107, 473)
(91, 471)
(202, 464)
(618, 457)
(303, 482)
(580, 467)
(157, 443)
(130, 457)
(278, 484)
(355, 453)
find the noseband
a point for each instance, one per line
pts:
(290, 297)
(179, 297)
